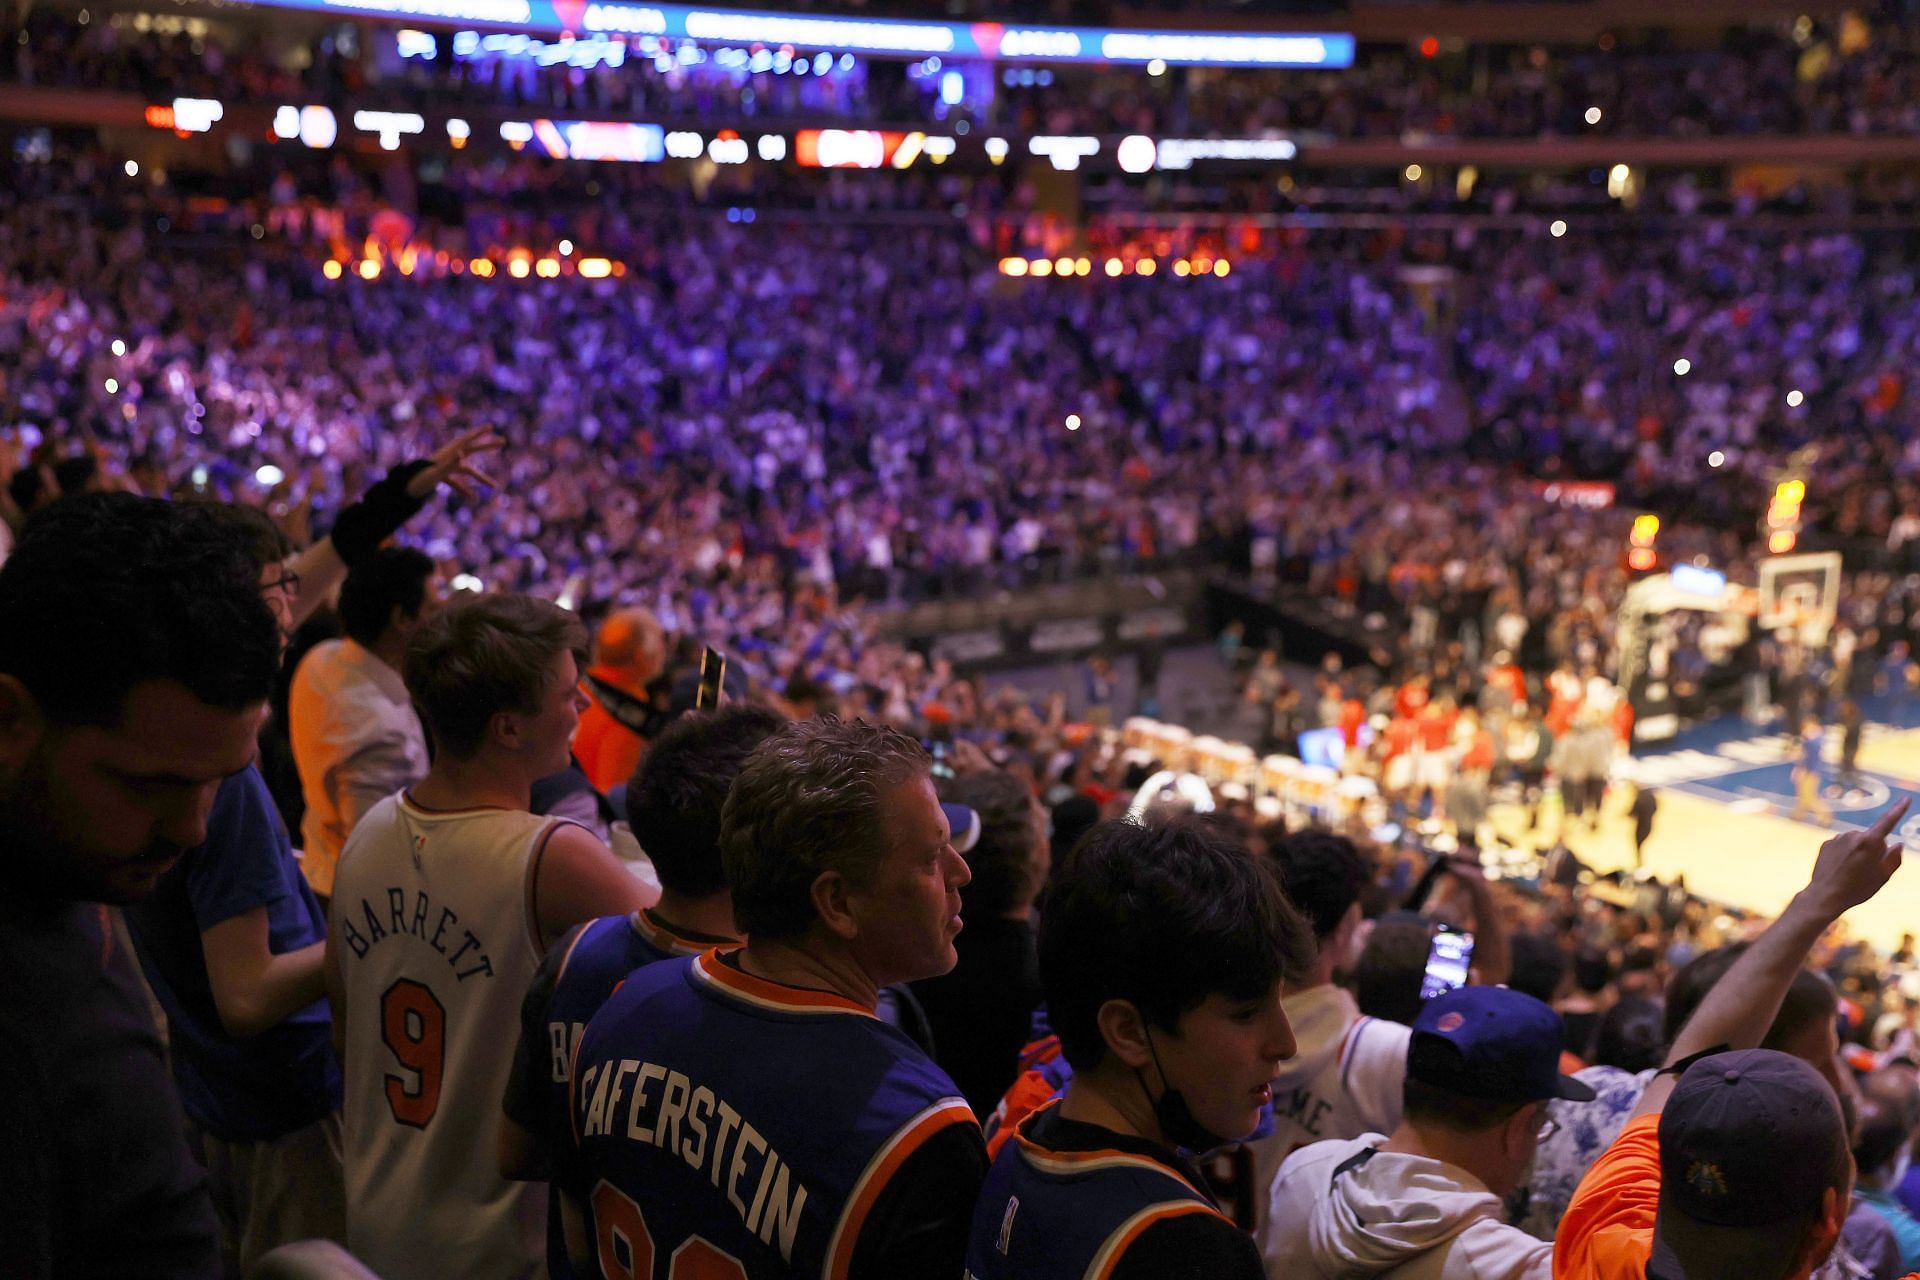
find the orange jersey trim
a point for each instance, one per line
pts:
(879, 1171)
(656, 931)
(770, 995)
(1067, 1163)
(1120, 1241)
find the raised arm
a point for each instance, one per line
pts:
(390, 503)
(1851, 868)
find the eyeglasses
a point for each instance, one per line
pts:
(288, 581)
(1548, 1127)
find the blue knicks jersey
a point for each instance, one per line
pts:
(600, 957)
(1071, 1215)
(730, 1126)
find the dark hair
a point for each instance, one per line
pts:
(106, 591)
(1592, 969)
(477, 658)
(391, 578)
(1538, 966)
(1437, 1108)
(808, 801)
(1386, 980)
(1630, 1036)
(75, 472)
(1322, 874)
(1164, 916)
(677, 793)
(1882, 1131)
(267, 542)
(1002, 860)
(1809, 998)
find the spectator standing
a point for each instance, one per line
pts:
(980, 1013)
(1162, 952)
(675, 799)
(356, 738)
(1426, 1201)
(136, 657)
(1882, 1153)
(630, 651)
(446, 897)
(1742, 1167)
(748, 1105)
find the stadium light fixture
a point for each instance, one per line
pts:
(1682, 367)
(1180, 267)
(1716, 459)
(1013, 266)
(1413, 172)
(133, 169)
(1795, 399)
(1115, 266)
(1136, 153)
(1593, 115)
(1557, 228)
(119, 347)
(1073, 422)
(1157, 67)
(1145, 267)
(1041, 267)
(369, 269)
(331, 269)
(1220, 267)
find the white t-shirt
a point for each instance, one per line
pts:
(1345, 1079)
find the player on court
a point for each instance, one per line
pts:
(674, 803)
(745, 1114)
(445, 899)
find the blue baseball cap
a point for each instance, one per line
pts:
(1492, 1044)
(1749, 1143)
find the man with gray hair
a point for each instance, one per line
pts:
(747, 1107)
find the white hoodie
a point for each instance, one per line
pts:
(1407, 1217)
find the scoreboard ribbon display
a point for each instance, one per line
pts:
(985, 41)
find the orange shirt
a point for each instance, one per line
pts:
(1607, 1233)
(608, 751)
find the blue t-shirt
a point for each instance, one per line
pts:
(287, 1077)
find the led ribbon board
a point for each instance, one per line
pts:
(988, 41)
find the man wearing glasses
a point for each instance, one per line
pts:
(1426, 1201)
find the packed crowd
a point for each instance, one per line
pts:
(825, 1004)
(1854, 75)
(780, 437)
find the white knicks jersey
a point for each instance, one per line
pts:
(437, 943)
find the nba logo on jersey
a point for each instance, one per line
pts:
(1006, 1224)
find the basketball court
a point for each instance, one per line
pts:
(1725, 818)
(1727, 805)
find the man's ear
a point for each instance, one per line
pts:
(831, 893)
(1824, 1233)
(22, 724)
(505, 730)
(1125, 1033)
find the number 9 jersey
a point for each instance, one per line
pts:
(436, 941)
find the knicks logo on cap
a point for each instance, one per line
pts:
(1449, 1022)
(1706, 1178)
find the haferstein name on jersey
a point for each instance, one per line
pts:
(406, 916)
(717, 1141)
